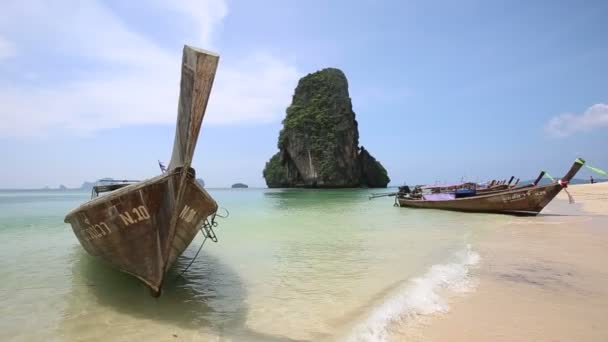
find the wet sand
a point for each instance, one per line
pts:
(540, 279)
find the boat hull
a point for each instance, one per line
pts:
(131, 227)
(524, 201)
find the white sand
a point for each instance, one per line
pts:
(541, 279)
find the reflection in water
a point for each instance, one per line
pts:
(208, 300)
(307, 199)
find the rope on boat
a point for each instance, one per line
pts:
(388, 194)
(224, 216)
(570, 198)
(208, 232)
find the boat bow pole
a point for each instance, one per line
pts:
(199, 66)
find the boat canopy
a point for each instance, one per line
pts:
(449, 186)
(439, 197)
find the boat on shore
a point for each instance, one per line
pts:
(141, 228)
(467, 189)
(524, 200)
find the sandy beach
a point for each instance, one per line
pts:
(540, 279)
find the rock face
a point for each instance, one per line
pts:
(319, 142)
(373, 173)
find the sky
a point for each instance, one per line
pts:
(442, 90)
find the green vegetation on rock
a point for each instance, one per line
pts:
(275, 173)
(319, 140)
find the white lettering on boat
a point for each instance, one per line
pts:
(96, 231)
(101, 229)
(126, 218)
(521, 195)
(140, 214)
(188, 214)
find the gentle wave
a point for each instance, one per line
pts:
(420, 296)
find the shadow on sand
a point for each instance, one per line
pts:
(209, 298)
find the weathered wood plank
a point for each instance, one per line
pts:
(198, 73)
(129, 228)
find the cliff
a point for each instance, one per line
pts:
(373, 174)
(319, 142)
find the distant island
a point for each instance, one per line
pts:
(89, 185)
(86, 186)
(319, 142)
(239, 186)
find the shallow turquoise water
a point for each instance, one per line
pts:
(289, 264)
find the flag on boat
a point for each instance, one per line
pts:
(162, 166)
(597, 170)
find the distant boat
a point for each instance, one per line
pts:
(142, 227)
(524, 200)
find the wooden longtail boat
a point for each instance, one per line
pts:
(518, 201)
(141, 228)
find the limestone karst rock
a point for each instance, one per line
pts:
(319, 142)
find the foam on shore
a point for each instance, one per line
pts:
(419, 296)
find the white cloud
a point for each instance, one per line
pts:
(7, 49)
(207, 15)
(255, 90)
(567, 124)
(131, 80)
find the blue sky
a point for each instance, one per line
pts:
(480, 89)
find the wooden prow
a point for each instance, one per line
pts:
(542, 174)
(578, 163)
(198, 73)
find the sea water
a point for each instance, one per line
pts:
(289, 265)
